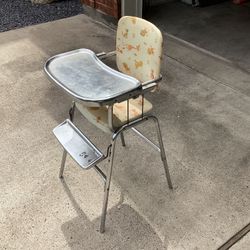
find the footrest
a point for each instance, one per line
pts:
(80, 148)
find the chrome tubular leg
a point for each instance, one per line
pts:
(72, 111)
(63, 163)
(71, 116)
(107, 187)
(123, 139)
(163, 154)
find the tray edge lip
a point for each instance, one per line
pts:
(101, 102)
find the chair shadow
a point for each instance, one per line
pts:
(56, 102)
(125, 229)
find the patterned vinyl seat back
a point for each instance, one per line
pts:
(139, 48)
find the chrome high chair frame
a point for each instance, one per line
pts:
(82, 150)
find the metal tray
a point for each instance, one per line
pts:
(80, 148)
(87, 78)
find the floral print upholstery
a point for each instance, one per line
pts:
(138, 54)
(138, 48)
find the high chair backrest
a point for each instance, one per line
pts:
(139, 48)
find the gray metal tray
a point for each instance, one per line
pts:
(81, 149)
(88, 79)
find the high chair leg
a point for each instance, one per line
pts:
(123, 139)
(107, 186)
(71, 116)
(163, 154)
(63, 164)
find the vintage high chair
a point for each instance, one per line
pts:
(111, 100)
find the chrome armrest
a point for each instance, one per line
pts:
(104, 55)
(151, 84)
(146, 87)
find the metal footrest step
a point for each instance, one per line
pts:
(80, 148)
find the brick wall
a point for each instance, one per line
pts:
(109, 7)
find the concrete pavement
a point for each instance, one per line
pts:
(204, 111)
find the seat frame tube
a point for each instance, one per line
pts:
(107, 186)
